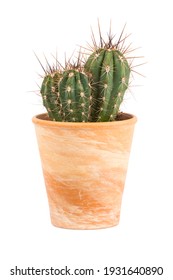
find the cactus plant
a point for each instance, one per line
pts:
(68, 95)
(110, 72)
(85, 165)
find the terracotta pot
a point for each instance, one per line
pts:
(84, 167)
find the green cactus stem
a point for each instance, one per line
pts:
(50, 95)
(75, 96)
(110, 72)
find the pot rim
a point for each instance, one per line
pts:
(42, 119)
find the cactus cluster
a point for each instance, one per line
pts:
(91, 91)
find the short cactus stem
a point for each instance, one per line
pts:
(75, 93)
(50, 95)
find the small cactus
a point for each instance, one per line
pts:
(110, 72)
(67, 92)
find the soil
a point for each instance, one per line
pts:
(121, 117)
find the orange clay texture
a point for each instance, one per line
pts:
(84, 167)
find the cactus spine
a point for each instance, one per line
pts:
(110, 73)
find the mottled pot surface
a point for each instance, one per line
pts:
(84, 167)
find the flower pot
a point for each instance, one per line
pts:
(84, 167)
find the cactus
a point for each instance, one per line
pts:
(110, 73)
(67, 95)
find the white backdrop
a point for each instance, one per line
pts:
(144, 235)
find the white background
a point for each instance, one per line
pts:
(144, 235)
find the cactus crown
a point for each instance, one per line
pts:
(90, 91)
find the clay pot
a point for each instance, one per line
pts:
(84, 167)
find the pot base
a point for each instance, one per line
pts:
(78, 218)
(85, 228)
(83, 222)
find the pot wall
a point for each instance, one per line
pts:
(84, 167)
